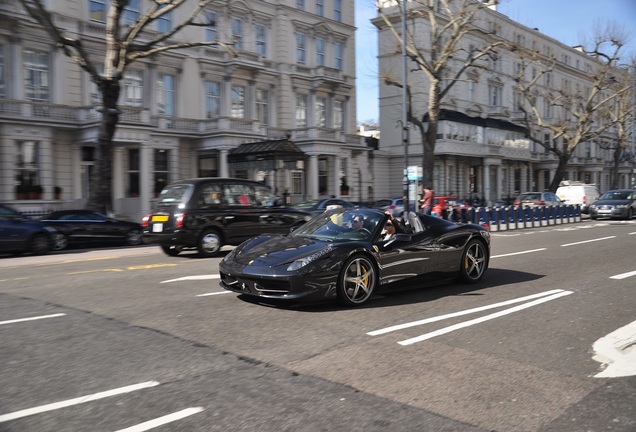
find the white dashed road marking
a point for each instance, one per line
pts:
(151, 424)
(32, 318)
(588, 241)
(76, 401)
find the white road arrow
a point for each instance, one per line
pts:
(617, 352)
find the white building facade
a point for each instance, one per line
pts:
(481, 147)
(183, 112)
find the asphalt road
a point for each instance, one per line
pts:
(130, 339)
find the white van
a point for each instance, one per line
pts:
(578, 193)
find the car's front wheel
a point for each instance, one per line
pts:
(60, 241)
(210, 243)
(630, 214)
(40, 244)
(356, 281)
(474, 262)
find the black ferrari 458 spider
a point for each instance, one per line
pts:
(332, 257)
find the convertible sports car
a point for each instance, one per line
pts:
(329, 258)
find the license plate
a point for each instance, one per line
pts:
(604, 211)
(160, 218)
(158, 227)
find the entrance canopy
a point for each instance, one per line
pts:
(266, 155)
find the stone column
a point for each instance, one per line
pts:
(336, 176)
(224, 168)
(312, 177)
(145, 176)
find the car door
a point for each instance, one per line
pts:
(408, 256)
(241, 217)
(13, 232)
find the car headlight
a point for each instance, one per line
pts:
(230, 255)
(302, 262)
(622, 206)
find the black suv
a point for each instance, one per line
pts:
(207, 213)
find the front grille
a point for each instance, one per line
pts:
(256, 285)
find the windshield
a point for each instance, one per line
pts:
(342, 225)
(307, 204)
(616, 195)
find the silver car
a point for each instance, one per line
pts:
(619, 203)
(395, 206)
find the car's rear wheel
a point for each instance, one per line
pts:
(630, 214)
(40, 244)
(474, 262)
(171, 250)
(133, 237)
(357, 281)
(210, 243)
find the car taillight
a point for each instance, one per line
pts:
(391, 207)
(516, 203)
(179, 220)
(540, 202)
(145, 222)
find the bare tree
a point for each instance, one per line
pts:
(621, 115)
(125, 44)
(441, 42)
(572, 113)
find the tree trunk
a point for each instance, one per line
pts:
(100, 197)
(430, 137)
(618, 154)
(560, 171)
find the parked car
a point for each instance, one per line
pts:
(19, 234)
(320, 205)
(83, 227)
(204, 214)
(395, 206)
(532, 199)
(578, 193)
(619, 203)
(329, 259)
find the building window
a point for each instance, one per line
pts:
(36, 75)
(86, 169)
(320, 7)
(300, 5)
(97, 10)
(164, 22)
(212, 99)
(338, 50)
(547, 108)
(516, 101)
(300, 48)
(131, 12)
(321, 112)
(494, 95)
(301, 111)
(2, 88)
(323, 176)
(238, 102)
(210, 28)
(133, 172)
(237, 33)
(320, 52)
(262, 106)
(165, 94)
(162, 171)
(297, 182)
(471, 90)
(208, 166)
(337, 10)
(261, 39)
(28, 161)
(133, 88)
(338, 114)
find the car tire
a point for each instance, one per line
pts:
(474, 262)
(630, 214)
(357, 281)
(40, 244)
(60, 241)
(172, 251)
(210, 243)
(133, 237)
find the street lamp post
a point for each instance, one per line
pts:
(405, 128)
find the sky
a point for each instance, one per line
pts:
(568, 21)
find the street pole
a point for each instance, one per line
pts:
(405, 128)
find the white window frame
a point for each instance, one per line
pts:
(98, 13)
(321, 112)
(212, 99)
(338, 55)
(132, 12)
(301, 48)
(237, 33)
(133, 86)
(262, 106)
(337, 10)
(301, 110)
(320, 51)
(36, 75)
(261, 39)
(238, 102)
(211, 28)
(166, 94)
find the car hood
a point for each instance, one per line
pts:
(271, 251)
(611, 202)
